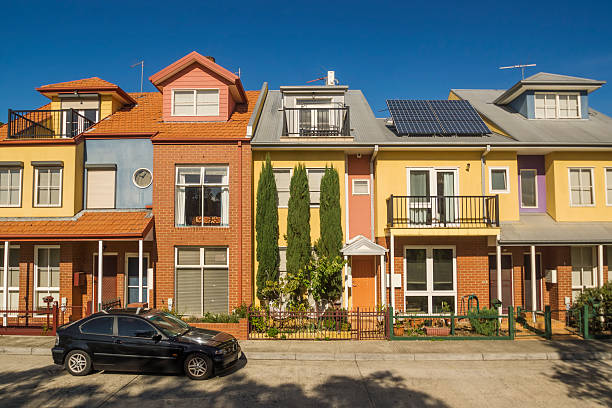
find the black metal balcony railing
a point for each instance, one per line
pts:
(316, 122)
(442, 211)
(46, 124)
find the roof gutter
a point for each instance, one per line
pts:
(482, 167)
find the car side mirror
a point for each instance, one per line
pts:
(157, 337)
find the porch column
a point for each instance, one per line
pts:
(140, 271)
(346, 281)
(100, 258)
(383, 287)
(5, 277)
(600, 265)
(391, 284)
(534, 293)
(499, 275)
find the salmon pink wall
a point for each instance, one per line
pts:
(359, 205)
(197, 77)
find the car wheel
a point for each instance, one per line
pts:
(78, 363)
(198, 366)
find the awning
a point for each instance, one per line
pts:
(360, 245)
(86, 225)
(541, 229)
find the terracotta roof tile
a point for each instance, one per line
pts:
(146, 118)
(92, 83)
(90, 225)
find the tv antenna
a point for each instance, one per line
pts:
(141, 63)
(521, 66)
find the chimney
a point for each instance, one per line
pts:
(331, 78)
(210, 58)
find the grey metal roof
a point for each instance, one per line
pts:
(597, 130)
(541, 77)
(534, 229)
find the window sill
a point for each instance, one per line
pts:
(202, 226)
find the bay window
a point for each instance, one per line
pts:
(431, 279)
(202, 196)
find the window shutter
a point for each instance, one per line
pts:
(189, 256)
(188, 291)
(361, 187)
(216, 290)
(207, 102)
(100, 188)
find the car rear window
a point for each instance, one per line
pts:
(131, 327)
(101, 325)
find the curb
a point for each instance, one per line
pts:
(253, 355)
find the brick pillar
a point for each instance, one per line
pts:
(26, 275)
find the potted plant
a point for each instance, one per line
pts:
(398, 328)
(440, 327)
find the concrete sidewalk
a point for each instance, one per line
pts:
(346, 350)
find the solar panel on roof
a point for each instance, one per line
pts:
(436, 117)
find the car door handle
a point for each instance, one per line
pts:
(118, 341)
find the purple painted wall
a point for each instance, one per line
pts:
(537, 163)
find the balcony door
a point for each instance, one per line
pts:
(316, 121)
(432, 196)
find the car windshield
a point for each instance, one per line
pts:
(169, 324)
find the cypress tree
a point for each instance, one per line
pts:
(330, 243)
(298, 222)
(266, 228)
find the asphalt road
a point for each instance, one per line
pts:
(35, 381)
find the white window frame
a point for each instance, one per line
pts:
(557, 105)
(507, 189)
(203, 267)
(145, 255)
(608, 187)
(537, 202)
(288, 187)
(430, 292)
(308, 170)
(194, 90)
(367, 182)
(9, 187)
(203, 168)
(61, 186)
(433, 191)
(11, 289)
(48, 289)
(594, 274)
(569, 186)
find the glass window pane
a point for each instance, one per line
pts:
(130, 327)
(314, 179)
(443, 269)
(440, 303)
(215, 256)
(282, 254)
(539, 101)
(188, 175)
(15, 176)
(55, 277)
(498, 180)
(528, 188)
(183, 97)
(4, 197)
(189, 291)
(55, 177)
(43, 277)
(283, 198)
(416, 304)
(43, 196)
(192, 206)
(315, 197)
(54, 196)
(585, 178)
(102, 326)
(43, 257)
(13, 197)
(207, 96)
(574, 177)
(361, 187)
(282, 178)
(575, 196)
(189, 256)
(54, 257)
(586, 197)
(212, 205)
(133, 294)
(215, 175)
(416, 269)
(419, 183)
(4, 178)
(587, 277)
(43, 177)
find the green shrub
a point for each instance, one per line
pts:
(484, 322)
(602, 295)
(272, 332)
(258, 320)
(241, 311)
(213, 318)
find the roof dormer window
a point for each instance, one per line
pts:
(195, 102)
(557, 105)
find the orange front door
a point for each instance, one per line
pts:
(364, 276)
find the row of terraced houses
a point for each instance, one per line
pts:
(149, 197)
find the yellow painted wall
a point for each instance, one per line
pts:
(508, 202)
(288, 159)
(557, 165)
(108, 105)
(391, 177)
(72, 178)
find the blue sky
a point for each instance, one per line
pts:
(407, 49)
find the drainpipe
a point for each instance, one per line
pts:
(482, 168)
(374, 154)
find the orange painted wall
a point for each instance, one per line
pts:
(196, 77)
(359, 205)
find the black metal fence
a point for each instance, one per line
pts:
(443, 211)
(316, 122)
(331, 324)
(46, 124)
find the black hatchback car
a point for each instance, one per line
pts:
(142, 340)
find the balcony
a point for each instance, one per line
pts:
(316, 122)
(442, 212)
(46, 124)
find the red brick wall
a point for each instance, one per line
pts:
(472, 264)
(238, 330)
(167, 157)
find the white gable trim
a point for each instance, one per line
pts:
(360, 245)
